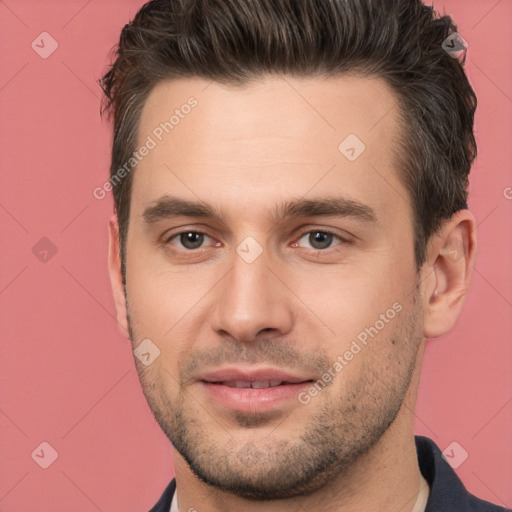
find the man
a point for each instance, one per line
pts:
(291, 225)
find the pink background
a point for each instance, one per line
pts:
(68, 376)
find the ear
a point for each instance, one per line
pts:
(451, 255)
(116, 279)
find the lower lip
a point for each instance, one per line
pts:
(254, 399)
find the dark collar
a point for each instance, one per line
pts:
(164, 503)
(447, 492)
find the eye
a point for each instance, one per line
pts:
(189, 240)
(320, 239)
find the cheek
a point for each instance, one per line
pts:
(160, 295)
(348, 299)
(164, 307)
(376, 363)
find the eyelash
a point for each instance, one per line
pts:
(343, 241)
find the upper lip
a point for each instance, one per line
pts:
(259, 375)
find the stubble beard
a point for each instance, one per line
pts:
(337, 433)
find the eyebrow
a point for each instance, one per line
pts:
(168, 207)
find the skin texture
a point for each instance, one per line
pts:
(298, 306)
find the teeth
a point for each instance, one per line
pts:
(255, 385)
(261, 384)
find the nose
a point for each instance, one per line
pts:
(253, 298)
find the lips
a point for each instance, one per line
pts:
(260, 378)
(246, 375)
(253, 391)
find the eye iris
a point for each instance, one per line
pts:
(191, 240)
(324, 239)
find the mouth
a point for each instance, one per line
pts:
(253, 391)
(254, 385)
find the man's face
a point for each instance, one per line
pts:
(255, 296)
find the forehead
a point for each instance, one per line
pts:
(277, 137)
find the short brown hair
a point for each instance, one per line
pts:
(237, 41)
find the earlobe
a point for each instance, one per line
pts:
(452, 251)
(116, 280)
